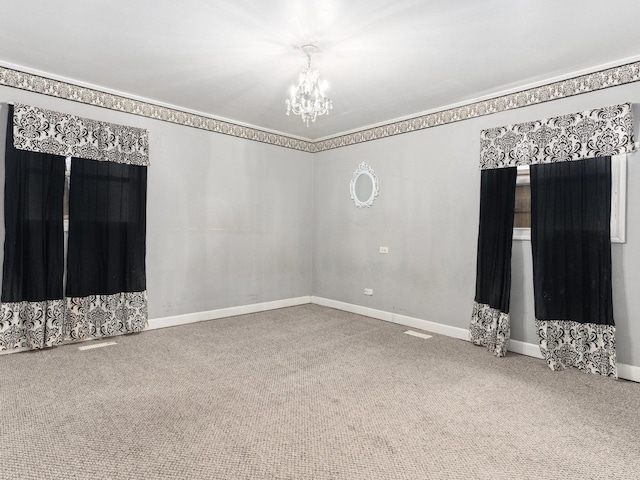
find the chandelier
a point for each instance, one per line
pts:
(307, 98)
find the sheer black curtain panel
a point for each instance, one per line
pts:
(490, 319)
(107, 223)
(571, 247)
(106, 281)
(32, 305)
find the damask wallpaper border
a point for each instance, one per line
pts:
(610, 77)
(55, 88)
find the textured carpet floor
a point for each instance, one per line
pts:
(307, 393)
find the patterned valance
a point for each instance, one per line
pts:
(45, 131)
(592, 133)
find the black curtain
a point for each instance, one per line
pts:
(490, 323)
(571, 246)
(32, 305)
(571, 240)
(495, 237)
(33, 250)
(107, 228)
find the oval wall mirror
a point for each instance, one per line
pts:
(364, 186)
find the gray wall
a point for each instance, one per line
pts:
(234, 222)
(228, 220)
(427, 214)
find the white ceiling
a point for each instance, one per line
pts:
(384, 60)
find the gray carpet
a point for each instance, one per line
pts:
(307, 393)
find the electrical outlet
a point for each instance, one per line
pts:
(368, 291)
(384, 249)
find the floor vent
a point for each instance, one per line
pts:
(417, 334)
(96, 345)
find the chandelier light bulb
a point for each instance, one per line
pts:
(307, 99)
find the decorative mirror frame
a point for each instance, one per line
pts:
(364, 169)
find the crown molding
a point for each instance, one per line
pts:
(554, 89)
(576, 85)
(492, 95)
(45, 84)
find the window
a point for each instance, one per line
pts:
(522, 215)
(67, 182)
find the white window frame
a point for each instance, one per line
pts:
(67, 179)
(618, 200)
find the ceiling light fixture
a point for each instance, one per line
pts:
(307, 98)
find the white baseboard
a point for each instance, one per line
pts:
(412, 322)
(225, 312)
(523, 348)
(627, 372)
(200, 317)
